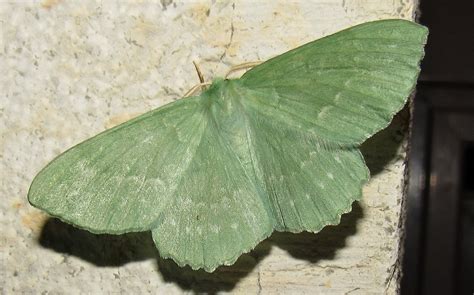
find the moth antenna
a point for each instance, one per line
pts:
(201, 84)
(242, 66)
(195, 88)
(199, 73)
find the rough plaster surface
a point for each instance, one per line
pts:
(73, 68)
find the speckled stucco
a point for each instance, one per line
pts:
(71, 69)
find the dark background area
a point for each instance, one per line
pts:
(439, 242)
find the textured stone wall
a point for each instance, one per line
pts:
(71, 69)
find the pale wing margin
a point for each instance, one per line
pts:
(122, 179)
(344, 87)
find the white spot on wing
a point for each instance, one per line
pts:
(324, 111)
(318, 146)
(215, 228)
(148, 139)
(330, 175)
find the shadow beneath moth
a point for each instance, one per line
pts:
(116, 250)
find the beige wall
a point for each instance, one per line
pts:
(73, 68)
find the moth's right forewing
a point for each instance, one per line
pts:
(122, 179)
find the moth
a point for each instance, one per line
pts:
(212, 175)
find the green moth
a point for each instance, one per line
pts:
(277, 149)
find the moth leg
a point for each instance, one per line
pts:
(242, 66)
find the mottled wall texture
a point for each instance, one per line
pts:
(71, 69)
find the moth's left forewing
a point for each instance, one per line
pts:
(344, 87)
